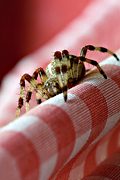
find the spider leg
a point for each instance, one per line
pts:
(93, 48)
(38, 94)
(62, 79)
(39, 71)
(37, 90)
(61, 72)
(33, 84)
(94, 63)
(28, 98)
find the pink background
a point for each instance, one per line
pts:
(27, 25)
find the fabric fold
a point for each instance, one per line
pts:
(56, 136)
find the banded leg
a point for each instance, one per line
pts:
(62, 79)
(94, 63)
(93, 48)
(61, 71)
(40, 71)
(33, 83)
(28, 98)
(30, 90)
(28, 78)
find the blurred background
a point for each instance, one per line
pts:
(26, 25)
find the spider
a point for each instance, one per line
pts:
(64, 71)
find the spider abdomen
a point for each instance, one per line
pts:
(69, 69)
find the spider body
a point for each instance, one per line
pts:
(63, 72)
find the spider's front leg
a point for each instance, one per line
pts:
(61, 71)
(94, 48)
(37, 87)
(40, 71)
(29, 79)
(34, 86)
(94, 63)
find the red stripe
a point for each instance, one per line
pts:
(64, 173)
(114, 76)
(113, 72)
(113, 144)
(23, 152)
(61, 124)
(108, 171)
(109, 168)
(97, 105)
(90, 162)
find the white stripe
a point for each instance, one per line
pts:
(79, 143)
(109, 89)
(111, 60)
(81, 161)
(42, 137)
(20, 124)
(79, 115)
(111, 93)
(77, 172)
(101, 152)
(48, 167)
(110, 124)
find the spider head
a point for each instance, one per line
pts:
(45, 94)
(42, 91)
(51, 87)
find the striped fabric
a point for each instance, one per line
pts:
(75, 140)
(65, 139)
